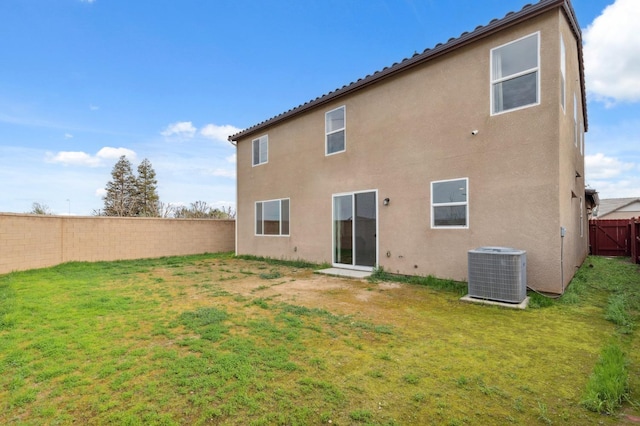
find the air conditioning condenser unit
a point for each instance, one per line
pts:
(498, 273)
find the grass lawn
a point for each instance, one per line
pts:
(222, 340)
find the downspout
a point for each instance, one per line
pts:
(235, 222)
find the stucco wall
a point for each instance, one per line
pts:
(573, 218)
(415, 128)
(31, 241)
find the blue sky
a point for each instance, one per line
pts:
(83, 82)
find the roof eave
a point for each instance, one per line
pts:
(573, 22)
(512, 18)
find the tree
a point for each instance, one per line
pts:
(137, 195)
(121, 197)
(201, 210)
(37, 208)
(224, 213)
(146, 191)
(166, 210)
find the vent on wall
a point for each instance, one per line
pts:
(498, 273)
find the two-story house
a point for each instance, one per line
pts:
(475, 142)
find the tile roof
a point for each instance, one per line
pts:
(608, 205)
(527, 12)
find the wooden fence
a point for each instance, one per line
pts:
(615, 237)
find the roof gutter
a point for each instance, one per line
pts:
(512, 18)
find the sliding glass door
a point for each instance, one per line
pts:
(354, 230)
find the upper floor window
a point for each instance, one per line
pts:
(581, 138)
(515, 70)
(260, 150)
(575, 120)
(449, 203)
(334, 121)
(563, 71)
(272, 217)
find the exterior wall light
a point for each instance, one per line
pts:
(386, 201)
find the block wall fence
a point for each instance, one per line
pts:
(35, 241)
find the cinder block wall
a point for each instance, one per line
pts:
(33, 241)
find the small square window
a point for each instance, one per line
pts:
(335, 131)
(449, 205)
(260, 150)
(272, 217)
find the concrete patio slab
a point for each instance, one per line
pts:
(521, 305)
(347, 273)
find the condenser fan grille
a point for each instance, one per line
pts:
(498, 273)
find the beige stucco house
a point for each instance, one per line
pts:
(475, 142)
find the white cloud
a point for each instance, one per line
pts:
(87, 1)
(231, 159)
(73, 158)
(181, 129)
(227, 173)
(68, 136)
(93, 107)
(101, 192)
(109, 153)
(79, 158)
(599, 166)
(622, 188)
(612, 53)
(219, 133)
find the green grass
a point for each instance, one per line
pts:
(186, 341)
(618, 312)
(608, 386)
(273, 274)
(290, 263)
(456, 287)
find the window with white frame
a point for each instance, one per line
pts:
(515, 73)
(563, 71)
(581, 219)
(575, 120)
(260, 150)
(335, 131)
(581, 138)
(272, 217)
(449, 203)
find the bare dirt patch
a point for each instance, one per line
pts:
(303, 287)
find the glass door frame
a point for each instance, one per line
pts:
(353, 233)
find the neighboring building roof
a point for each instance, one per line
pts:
(512, 18)
(608, 205)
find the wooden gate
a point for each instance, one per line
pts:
(635, 240)
(615, 237)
